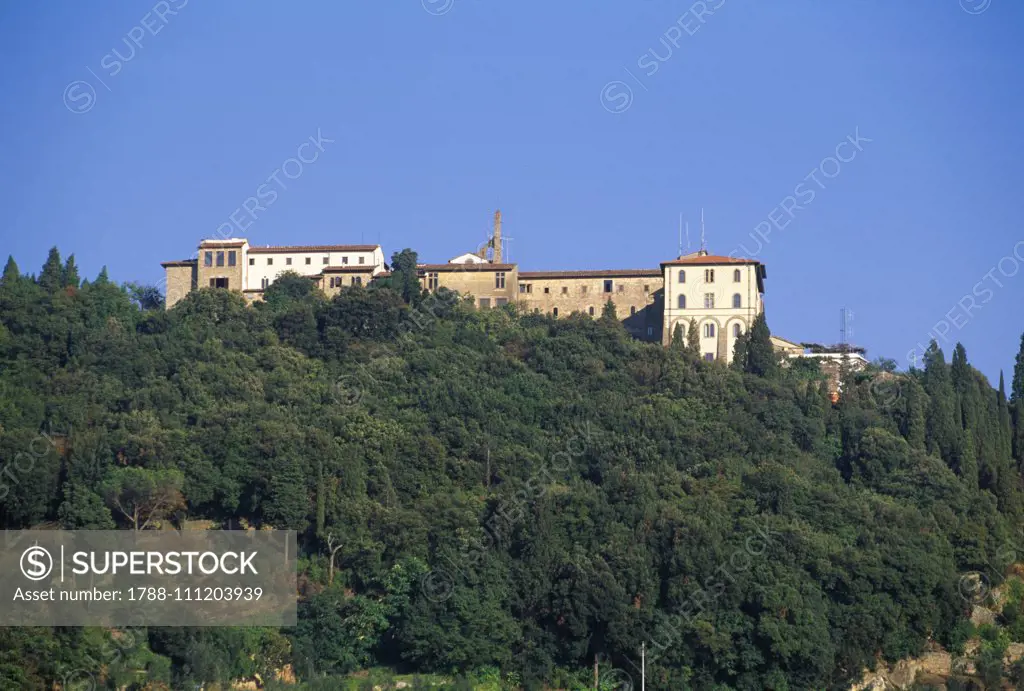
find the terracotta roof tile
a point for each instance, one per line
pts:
(466, 267)
(312, 248)
(709, 259)
(591, 273)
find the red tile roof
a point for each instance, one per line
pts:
(353, 269)
(221, 243)
(709, 259)
(466, 267)
(312, 248)
(591, 273)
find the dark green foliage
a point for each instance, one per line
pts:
(11, 272)
(510, 492)
(146, 297)
(693, 338)
(608, 313)
(678, 343)
(69, 275)
(404, 275)
(51, 278)
(756, 353)
(1017, 405)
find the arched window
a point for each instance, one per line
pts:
(736, 276)
(632, 309)
(736, 330)
(682, 302)
(736, 301)
(709, 330)
(591, 310)
(554, 312)
(682, 276)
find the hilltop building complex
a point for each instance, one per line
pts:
(722, 295)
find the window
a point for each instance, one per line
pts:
(682, 302)
(583, 290)
(327, 259)
(650, 330)
(357, 280)
(499, 279)
(736, 330)
(736, 301)
(709, 275)
(565, 290)
(264, 283)
(632, 310)
(498, 302)
(709, 357)
(709, 301)
(736, 276)
(554, 312)
(647, 288)
(218, 283)
(252, 261)
(231, 258)
(208, 259)
(709, 330)
(525, 287)
(344, 260)
(591, 310)
(432, 281)
(334, 282)
(362, 260)
(288, 261)
(309, 260)
(682, 276)
(220, 259)
(608, 286)
(547, 290)
(622, 288)
(270, 261)
(485, 303)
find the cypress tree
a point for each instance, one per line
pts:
(941, 425)
(966, 462)
(1005, 424)
(914, 423)
(102, 279)
(51, 279)
(1017, 404)
(761, 357)
(739, 353)
(609, 313)
(69, 276)
(677, 337)
(693, 338)
(11, 272)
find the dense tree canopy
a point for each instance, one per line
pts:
(508, 491)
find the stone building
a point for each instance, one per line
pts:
(234, 264)
(491, 284)
(636, 294)
(722, 295)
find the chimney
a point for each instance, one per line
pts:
(497, 236)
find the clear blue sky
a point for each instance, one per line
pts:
(442, 110)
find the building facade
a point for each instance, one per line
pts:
(234, 264)
(635, 293)
(722, 295)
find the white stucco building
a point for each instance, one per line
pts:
(722, 294)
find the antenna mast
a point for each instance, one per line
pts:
(703, 244)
